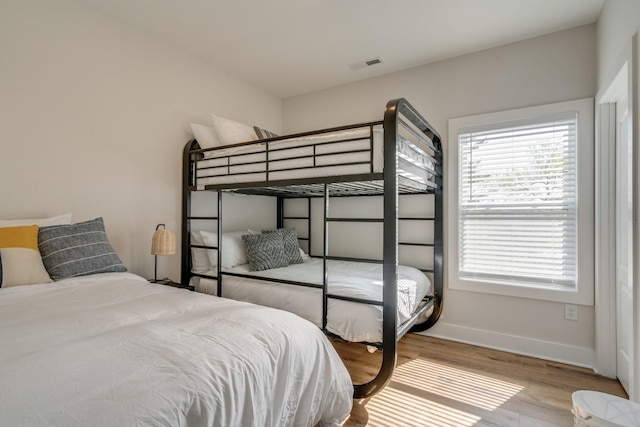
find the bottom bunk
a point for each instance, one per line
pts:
(350, 320)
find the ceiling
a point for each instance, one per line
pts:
(292, 47)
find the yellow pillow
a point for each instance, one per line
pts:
(20, 260)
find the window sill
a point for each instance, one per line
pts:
(549, 293)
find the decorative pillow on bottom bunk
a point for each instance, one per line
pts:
(290, 242)
(20, 260)
(265, 251)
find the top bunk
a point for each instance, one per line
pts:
(403, 149)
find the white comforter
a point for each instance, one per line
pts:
(114, 350)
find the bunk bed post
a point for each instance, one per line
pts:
(438, 225)
(279, 212)
(438, 248)
(325, 254)
(390, 256)
(309, 226)
(390, 242)
(187, 182)
(219, 266)
(438, 245)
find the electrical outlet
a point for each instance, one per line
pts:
(571, 312)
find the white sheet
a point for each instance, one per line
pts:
(115, 350)
(351, 321)
(249, 164)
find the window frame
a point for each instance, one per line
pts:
(583, 294)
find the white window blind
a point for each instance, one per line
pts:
(518, 203)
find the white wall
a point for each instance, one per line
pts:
(618, 21)
(94, 117)
(548, 69)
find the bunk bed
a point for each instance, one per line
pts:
(399, 156)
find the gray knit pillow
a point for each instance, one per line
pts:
(291, 245)
(77, 250)
(265, 251)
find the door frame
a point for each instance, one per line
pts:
(605, 265)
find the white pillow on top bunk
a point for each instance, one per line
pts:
(205, 135)
(224, 132)
(230, 132)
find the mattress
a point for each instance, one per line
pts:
(356, 151)
(115, 350)
(352, 321)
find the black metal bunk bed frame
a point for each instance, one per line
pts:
(398, 112)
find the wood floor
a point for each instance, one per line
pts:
(444, 383)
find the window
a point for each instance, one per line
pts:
(523, 212)
(517, 202)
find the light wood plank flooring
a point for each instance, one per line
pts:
(444, 383)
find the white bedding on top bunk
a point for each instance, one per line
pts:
(298, 152)
(351, 321)
(115, 350)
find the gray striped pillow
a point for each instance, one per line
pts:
(78, 249)
(263, 133)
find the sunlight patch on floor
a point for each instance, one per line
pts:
(457, 384)
(391, 405)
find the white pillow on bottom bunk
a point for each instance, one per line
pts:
(233, 250)
(199, 257)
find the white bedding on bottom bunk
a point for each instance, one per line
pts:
(352, 321)
(115, 350)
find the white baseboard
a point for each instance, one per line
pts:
(547, 350)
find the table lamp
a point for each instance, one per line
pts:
(162, 243)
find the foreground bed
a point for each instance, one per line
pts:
(112, 349)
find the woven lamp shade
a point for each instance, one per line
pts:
(163, 242)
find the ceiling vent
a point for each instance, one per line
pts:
(364, 64)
